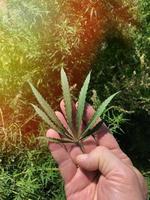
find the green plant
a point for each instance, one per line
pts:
(29, 174)
(114, 115)
(10, 135)
(73, 133)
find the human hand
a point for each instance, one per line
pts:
(104, 172)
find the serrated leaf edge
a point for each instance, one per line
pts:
(46, 107)
(43, 115)
(99, 112)
(67, 98)
(81, 102)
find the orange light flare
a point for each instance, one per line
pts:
(95, 17)
(90, 33)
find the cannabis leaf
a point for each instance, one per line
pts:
(72, 134)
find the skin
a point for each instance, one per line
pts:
(103, 172)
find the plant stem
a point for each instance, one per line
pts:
(1, 114)
(80, 144)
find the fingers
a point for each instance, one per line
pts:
(62, 119)
(62, 106)
(103, 135)
(114, 171)
(62, 157)
(122, 156)
(75, 150)
(100, 159)
(105, 138)
(88, 146)
(56, 148)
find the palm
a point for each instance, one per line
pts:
(81, 184)
(89, 185)
(85, 187)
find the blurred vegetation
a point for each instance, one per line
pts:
(36, 39)
(29, 174)
(123, 63)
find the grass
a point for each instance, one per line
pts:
(29, 174)
(26, 171)
(146, 174)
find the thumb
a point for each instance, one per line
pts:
(101, 159)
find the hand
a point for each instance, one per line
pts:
(103, 173)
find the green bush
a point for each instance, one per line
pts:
(122, 63)
(29, 174)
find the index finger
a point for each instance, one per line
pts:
(62, 157)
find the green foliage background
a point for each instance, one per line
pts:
(121, 62)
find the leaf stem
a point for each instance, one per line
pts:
(80, 144)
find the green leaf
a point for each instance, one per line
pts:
(92, 131)
(58, 141)
(44, 117)
(99, 112)
(46, 107)
(55, 140)
(67, 98)
(81, 102)
(50, 123)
